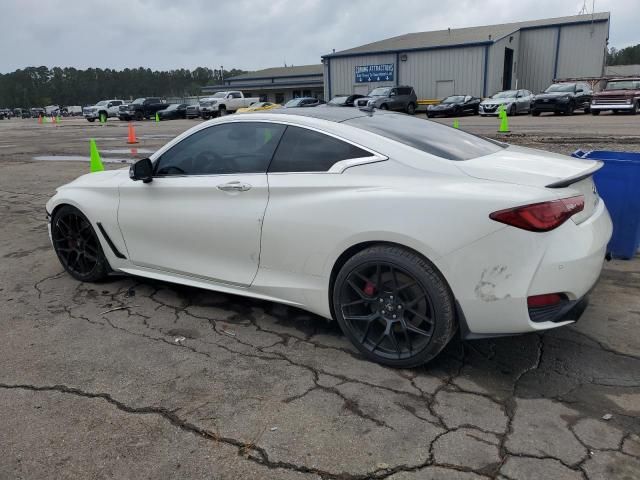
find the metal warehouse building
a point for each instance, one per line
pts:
(478, 61)
(278, 85)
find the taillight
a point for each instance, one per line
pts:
(544, 300)
(540, 217)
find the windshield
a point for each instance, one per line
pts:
(380, 92)
(138, 101)
(293, 103)
(338, 100)
(454, 99)
(102, 103)
(506, 94)
(219, 95)
(561, 87)
(623, 85)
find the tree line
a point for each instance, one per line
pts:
(624, 56)
(40, 86)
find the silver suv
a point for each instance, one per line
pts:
(401, 99)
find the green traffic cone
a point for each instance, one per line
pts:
(95, 164)
(456, 124)
(58, 119)
(157, 117)
(504, 122)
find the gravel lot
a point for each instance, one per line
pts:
(141, 379)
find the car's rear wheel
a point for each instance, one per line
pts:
(595, 112)
(394, 306)
(77, 245)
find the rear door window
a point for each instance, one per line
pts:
(304, 150)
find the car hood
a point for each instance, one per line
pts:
(526, 166)
(105, 178)
(497, 101)
(554, 95)
(443, 106)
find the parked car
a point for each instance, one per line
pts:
(455, 105)
(20, 112)
(344, 100)
(52, 110)
(303, 102)
(37, 112)
(193, 111)
(141, 108)
(514, 101)
(618, 95)
(102, 109)
(259, 107)
(4, 113)
(328, 210)
(564, 98)
(399, 99)
(76, 111)
(222, 103)
(173, 112)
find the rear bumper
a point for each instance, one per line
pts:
(492, 278)
(550, 107)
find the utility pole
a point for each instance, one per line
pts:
(222, 74)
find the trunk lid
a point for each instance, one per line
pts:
(565, 176)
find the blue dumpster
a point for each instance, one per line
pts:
(618, 183)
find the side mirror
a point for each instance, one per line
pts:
(141, 170)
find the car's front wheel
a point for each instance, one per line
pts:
(394, 306)
(411, 109)
(77, 245)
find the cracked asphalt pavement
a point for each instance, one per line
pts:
(134, 378)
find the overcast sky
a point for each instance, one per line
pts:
(249, 34)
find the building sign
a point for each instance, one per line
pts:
(375, 73)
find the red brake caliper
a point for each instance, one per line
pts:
(369, 289)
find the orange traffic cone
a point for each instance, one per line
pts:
(132, 134)
(40, 119)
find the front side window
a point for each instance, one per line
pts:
(231, 148)
(303, 150)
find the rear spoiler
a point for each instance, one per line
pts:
(565, 182)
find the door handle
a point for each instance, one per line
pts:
(234, 187)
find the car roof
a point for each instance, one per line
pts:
(323, 112)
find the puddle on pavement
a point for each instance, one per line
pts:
(7, 146)
(132, 151)
(159, 135)
(79, 158)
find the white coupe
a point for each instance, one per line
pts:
(402, 230)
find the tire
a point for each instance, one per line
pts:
(535, 113)
(587, 110)
(411, 109)
(595, 112)
(139, 116)
(636, 108)
(388, 327)
(571, 109)
(91, 120)
(429, 115)
(222, 111)
(512, 111)
(77, 246)
(384, 106)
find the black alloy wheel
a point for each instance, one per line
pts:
(394, 306)
(77, 245)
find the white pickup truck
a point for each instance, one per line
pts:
(222, 103)
(104, 108)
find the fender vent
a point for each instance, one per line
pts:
(113, 248)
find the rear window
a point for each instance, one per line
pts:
(430, 137)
